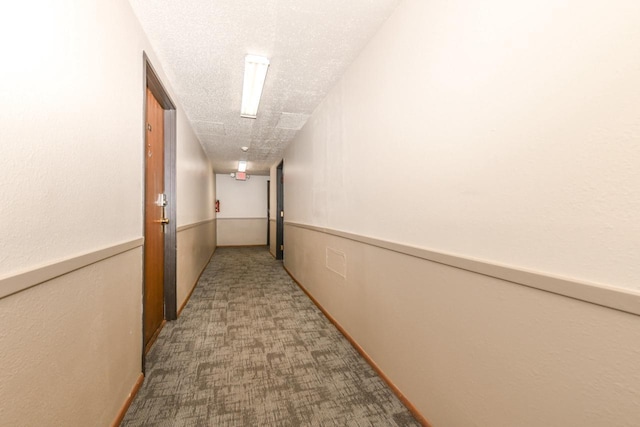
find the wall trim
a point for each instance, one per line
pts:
(19, 282)
(236, 219)
(193, 288)
(616, 298)
(127, 403)
(241, 246)
(195, 224)
(419, 417)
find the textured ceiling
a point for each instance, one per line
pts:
(202, 44)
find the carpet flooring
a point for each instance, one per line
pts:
(251, 349)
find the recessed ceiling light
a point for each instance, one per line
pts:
(255, 72)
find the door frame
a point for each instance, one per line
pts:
(280, 209)
(268, 212)
(152, 81)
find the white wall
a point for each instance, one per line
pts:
(242, 199)
(485, 134)
(71, 181)
(498, 130)
(242, 219)
(71, 120)
(196, 184)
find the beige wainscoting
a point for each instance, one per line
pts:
(196, 243)
(467, 348)
(242, 231)
(72, 345)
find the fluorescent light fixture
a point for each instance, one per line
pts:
(242, 166)
(255, 71)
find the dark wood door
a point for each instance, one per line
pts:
(268, 213)
(280, 213)
(153, 222)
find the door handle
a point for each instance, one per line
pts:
(163, 221)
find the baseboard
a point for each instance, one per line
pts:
(193, 288)
(419, 417)
(127, 403)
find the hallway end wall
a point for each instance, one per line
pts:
(242, 220)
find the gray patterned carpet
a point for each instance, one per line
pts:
(251, 349)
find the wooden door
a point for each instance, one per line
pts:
(153, 222)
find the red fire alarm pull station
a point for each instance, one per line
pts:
(217, 205)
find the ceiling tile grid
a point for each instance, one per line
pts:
(202, 44)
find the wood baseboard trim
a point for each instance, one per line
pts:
(193, 288)
(419, 417)
(127, 403)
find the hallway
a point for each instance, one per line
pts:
(251, 349)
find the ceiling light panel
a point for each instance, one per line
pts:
(203, 44)
(255, 73)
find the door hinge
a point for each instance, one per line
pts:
(149, 127)
(281, 214)
(282, 247)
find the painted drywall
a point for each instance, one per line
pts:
(71, 178)
(71, 347)
(196, 181)
(195, 248)
(242, 199)
(242, 219)
(71, 118)
(501, 131)
(72, 129)
(468, 349)
(242, 231)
